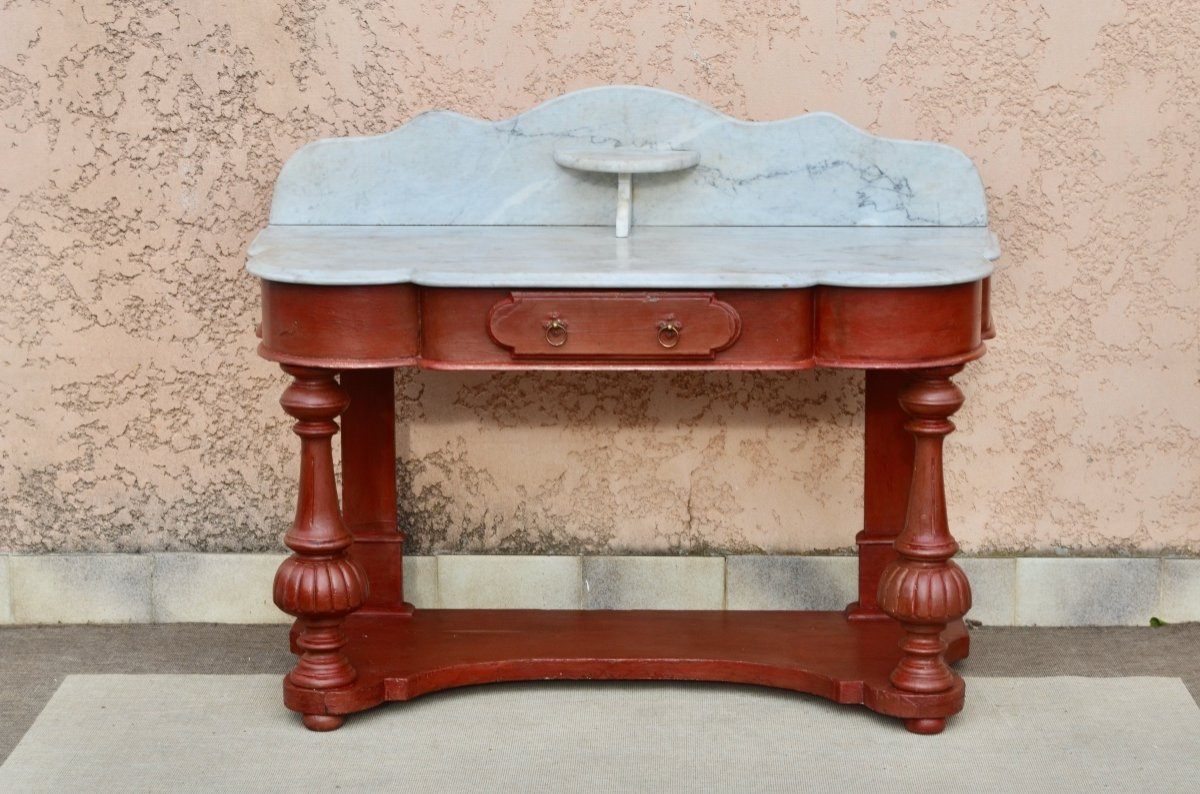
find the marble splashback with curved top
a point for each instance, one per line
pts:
(442, 168)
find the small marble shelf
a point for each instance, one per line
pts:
(625, 162)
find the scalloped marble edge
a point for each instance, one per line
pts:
(444, 168)
(652, 258)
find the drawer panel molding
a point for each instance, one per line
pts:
(613, 325)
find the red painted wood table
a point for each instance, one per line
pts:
(390, 252)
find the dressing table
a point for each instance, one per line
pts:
(622, 228)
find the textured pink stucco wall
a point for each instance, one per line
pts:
(139, 141)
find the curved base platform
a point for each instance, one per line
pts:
(400, 657)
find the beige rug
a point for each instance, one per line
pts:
(104, 733)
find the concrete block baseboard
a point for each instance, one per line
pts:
(5, 591)
(236, 588)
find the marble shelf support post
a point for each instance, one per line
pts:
(624, 204)
(625, 162)
(319, 584)
(922, 588)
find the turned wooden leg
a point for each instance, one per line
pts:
(922, 588)
(319, 583)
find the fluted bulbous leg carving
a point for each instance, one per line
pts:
(922, 588)
(319, 583)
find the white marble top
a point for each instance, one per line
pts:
(446, 200)
(657, 257)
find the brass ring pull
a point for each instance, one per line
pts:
(668, 332)
(556, 332)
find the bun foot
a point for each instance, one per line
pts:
(324, 722)
(924, 725)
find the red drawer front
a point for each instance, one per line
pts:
(614, 325)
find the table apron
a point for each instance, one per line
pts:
(406, 325)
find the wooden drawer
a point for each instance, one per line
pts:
(613, 325)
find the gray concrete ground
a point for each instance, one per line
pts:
(34, 660)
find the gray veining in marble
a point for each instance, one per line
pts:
(443, 168)
(451, 201)
(770, 257)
